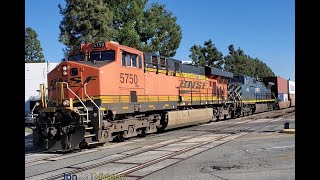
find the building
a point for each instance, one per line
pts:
(35, 74)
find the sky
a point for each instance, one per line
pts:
(261, 28)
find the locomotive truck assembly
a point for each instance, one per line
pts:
(107, 92)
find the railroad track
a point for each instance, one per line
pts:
(196, 143)
(39, 156)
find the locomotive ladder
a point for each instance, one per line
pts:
(99, 120)
(87, 120)
(84, 106)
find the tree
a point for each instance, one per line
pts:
(85, 21)
(197, 56)
(206, 55)
(127, 19)
(262, 70)
(234, 62)
(152, 29)
(160, 32)
(131, 23)
(33, 50)
(239, 63)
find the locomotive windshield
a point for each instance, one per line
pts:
(102, 55)
(76, 57)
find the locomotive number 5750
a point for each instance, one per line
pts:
(128, 78)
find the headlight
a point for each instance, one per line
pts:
(64, 68)
(66, 102)
(64, 73)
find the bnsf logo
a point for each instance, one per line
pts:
(74, 80)
(190, 84)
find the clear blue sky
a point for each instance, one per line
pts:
(262, 28)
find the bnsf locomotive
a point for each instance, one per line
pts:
(106, 91)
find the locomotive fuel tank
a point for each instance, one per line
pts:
(189, 117)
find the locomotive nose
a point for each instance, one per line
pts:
(63, 73)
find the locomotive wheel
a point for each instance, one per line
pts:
(118, 138)
(142, 133)
(83, 145)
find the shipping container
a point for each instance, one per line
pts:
(284, 104)
(283, 97)
(280, 85)
(292, 87)
(292, 99)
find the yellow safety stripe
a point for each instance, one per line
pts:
(178, 74)
(263, 100)
(144, 98)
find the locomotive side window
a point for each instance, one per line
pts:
(162, 62)
(123, 59)
(154, 60)
(129, 59)
(140, 61)
(134, 60)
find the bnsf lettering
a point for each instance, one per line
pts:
(190, 84)
(128, 78)
(53, 81)
(90, 78)
(75, 80)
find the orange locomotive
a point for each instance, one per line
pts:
(106, 91)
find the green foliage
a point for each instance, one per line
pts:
(207, 55)
(197, 56)
(85, 21)
(127, 19)
(131, 23)
(33, 50)
(160, 32)
(239, 63)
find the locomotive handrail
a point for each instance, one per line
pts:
(49, 90)
(78, 99)
(85, 92)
